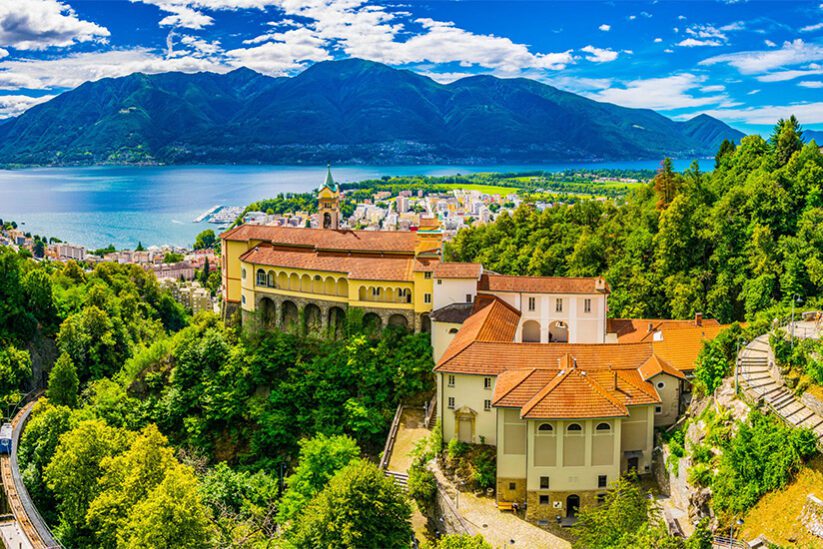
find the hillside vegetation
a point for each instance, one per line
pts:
(350, 111)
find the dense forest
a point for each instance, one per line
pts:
(727, 243)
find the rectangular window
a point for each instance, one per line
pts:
(601, 498)
(558, 305)
(427, 275)
(512, 486)
(544, 500)
(601, 481)
(487, 383)
(261, 278)
(451, 380)
(375, 292)
(487, 405)
(587, 305)
(658, 409)
(531, 303)
(468, 298)
(439, 282)
(544, 483)
(451, 403)
(427, 298)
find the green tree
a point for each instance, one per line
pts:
(786, 139)
(627, 518)
(205, 240)
(171, 515)
(139, 247)
(172, 257)
(39, 298)
(727, 147)
(204, 276)
(15, 370)
(702, 537)
(360, 507)
(666, 184)
(73, 472)
(63, 382)
(319, 460)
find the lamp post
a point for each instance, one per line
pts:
(739, 522)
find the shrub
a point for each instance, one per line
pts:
(485, 470)
(456, 449)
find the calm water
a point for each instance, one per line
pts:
(157, 205)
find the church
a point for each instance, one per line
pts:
(305, 280)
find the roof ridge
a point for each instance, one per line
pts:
(643, 387)
(544, 392)
(519, 383)
(605, 393)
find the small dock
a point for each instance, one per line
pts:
(203, 216)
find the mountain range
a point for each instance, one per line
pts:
(349, 111)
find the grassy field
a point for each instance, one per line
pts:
(777, 514)
(487, 189)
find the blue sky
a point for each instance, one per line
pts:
(745, 62)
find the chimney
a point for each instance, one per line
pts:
(698, 319)
(614, 379)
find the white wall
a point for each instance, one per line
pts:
(583, 327)
(453, 290)
(468, 391)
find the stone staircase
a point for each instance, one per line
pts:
(761, 382)
(401, 479)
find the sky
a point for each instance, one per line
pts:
(747, 63)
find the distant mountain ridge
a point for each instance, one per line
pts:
(350, 111)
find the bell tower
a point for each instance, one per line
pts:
(328, 203)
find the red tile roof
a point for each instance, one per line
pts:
(326, 239)
(458, 270)
(680, 347)
(656, 365)
(357, 267)
(632, 330)
(540, 284)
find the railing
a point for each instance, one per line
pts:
(431, 409)
(723, 541)
(387, 449)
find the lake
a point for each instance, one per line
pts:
(157, 205)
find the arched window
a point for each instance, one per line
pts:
(243, 299)
(603, 427)
(545, 428)
(243, 273)
(270, 279)
(575, 428)
(261, 277)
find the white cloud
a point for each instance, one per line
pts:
(707, 31)
(3, 53)
(40, 24)
(287, 52)
(667, 93)
(734, 26)
(668, 50)
(808, 113)
(770, 44)
(782, 76)
(199, 47)
(814, 84)
(599, 55)
(681, 17)
(693, 42)
(605, 28)
(73, 70)
(446, 77)
(811, 28)
(755, 62)
(632, 17)
(658, 40)
(753, 92)
(646, 14)
(714, 88)
(579, 84)
(13, 105)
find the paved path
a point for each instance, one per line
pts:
(411, 430)
(760, 379)
(13, 537)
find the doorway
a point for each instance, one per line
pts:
(633, 463)
(572, 505)
(465, 430)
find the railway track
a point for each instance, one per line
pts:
(25, 513)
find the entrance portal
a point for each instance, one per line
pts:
(572, 505)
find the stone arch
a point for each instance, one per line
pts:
(270, 279)
(342, 287)
(260, 279)
(282, 280)
(268, 313)
(425, 323)
(337, 322)
(363, 293)
(305, 283)
(329, 286)
(372, 323)
(558, 332)
(294, 282)
(389, 294)
(317, 284)
(530, 332)
(327, 220)
(399, 321)
(289, 316)
(312, 319)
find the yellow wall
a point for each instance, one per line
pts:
(468, 391)
(422, 286)
(637, 433)
(231, 268)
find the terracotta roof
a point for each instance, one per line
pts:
(425, 264)
(540, 284)
(455, 313)
(680, 347)
(656, 365)
(357, 267)
(326, 239)
(632, 330)
(458, 270)
(572, 392)
(496, 321)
